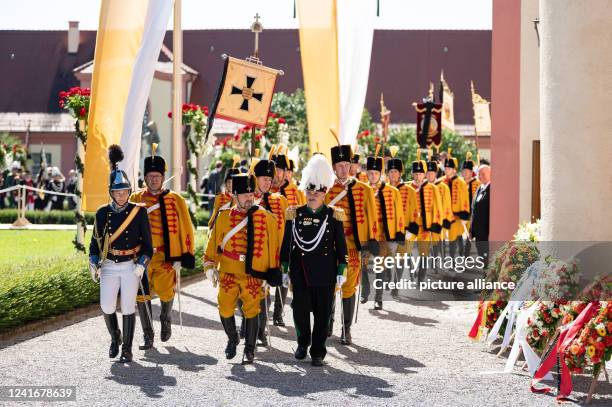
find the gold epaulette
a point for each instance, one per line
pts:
(291, 213)
(339, 213)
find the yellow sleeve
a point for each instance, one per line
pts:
(284, 204)
(301, 197)
(215, 209)
(211, 256)
(400, 219)
(464, 208)
(136, 197)
(411, 207)
(186, 232)
(371, 215)
(438, 208)
(273, 244)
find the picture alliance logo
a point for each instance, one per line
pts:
(411, 263)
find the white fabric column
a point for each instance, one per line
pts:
(156, 22)
(355, 20)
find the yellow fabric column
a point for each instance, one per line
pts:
(319, 51)
(117, 43)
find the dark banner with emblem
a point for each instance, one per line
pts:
(244, 94)
(429, 116)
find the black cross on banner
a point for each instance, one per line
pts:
(247, 93)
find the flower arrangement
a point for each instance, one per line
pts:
(276, 127)
(593, 346)
(509, 264)
(558, 281)
(529, 232)
(76, 101)
(571, 310)
(542, 324)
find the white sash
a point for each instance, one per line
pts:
(152, 208)
(338, 197)
(225, 205)
(233, 231)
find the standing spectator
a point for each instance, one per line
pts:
(71, 185)
(27, 181)
(56, 184)
(479, 225)
(2, 195)
(215, 181)
(12, 179)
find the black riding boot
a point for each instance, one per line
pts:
(229, 324)
(348, 305)
(147, 325)
(166, 321)
(113, 329)
(129, 323)
(250, 338)
(262, 327)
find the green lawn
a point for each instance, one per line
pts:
(23, 246)
(32, 246)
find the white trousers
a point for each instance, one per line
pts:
(115, 276)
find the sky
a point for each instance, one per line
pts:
(238, 14)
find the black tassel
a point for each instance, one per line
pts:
(377, 8)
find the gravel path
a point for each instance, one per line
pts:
(411, 353)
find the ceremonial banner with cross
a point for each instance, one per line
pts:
(429, 115)
(245, 93)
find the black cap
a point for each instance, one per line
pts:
(451, 163)
(154, 163)
(243, 184)
(395, 164)
(417, 166)
(281, 161)
(468, 165)
(356, 158)
(291, 165)
(341, 153)
(432, 166)
(231, 172)
(265, 168)
(374, 163)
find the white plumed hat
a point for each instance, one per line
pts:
(317, 174)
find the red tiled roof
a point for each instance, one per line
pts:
(34, 65)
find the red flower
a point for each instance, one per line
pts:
(170, 115)
(185, 107)
(237, 137)
(272, 115)
(62, 94)
(82, 112)
(282, 121)
(258, 137)
(61, 104)
(377, 139)
(205, 110)
(366, 133)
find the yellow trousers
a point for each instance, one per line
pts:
(353, 273)
(162, 279)
(455, 230)
(235, 286)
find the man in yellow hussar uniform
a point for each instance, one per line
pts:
(276, 204)
(173, 245)
(390, 225)
(460, 205)
(426, 216)
(280, 183)
(395, 170)
(289, 178)
(224, 199)
(357, 201)
(356, 169)
(467, 172)
(445, 198)
(242, 251)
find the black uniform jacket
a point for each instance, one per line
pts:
(137, 233)
(318, 267)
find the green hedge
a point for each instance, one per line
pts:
(52, 287)
(67, 217)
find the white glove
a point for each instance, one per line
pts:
(139, 270)
(95, 272)
(340, 280)
(177, 266)
(213, 275)
(286, 280)
(465, 233)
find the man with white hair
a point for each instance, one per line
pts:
(479, 225)
(314, 257)
(57, 184)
